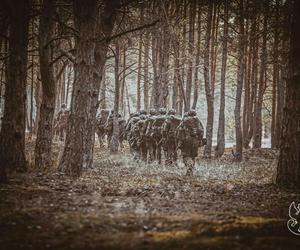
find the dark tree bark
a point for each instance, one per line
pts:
(253, 81)
(221, 129)
(90, 60)
(257, 133)
(139, 73)
(122, 82)
(146, 73)
(45, 124)
(12, 136)
(103, 91)
(188, 89)
(288, 170)
(274, 143)
(197, 59)
(114, 142)
(207, 82)
(239, 87)
(247, 82)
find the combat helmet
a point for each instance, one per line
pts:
(172, 112)
(143, 112)
(153, 112)
(162, 111)
(192, 112)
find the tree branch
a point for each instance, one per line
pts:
(108, 39)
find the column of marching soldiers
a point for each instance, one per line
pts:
(149, 134)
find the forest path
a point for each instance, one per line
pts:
(121, 204)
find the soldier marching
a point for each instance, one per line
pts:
(156, 134)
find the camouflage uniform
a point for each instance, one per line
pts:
(100, 125)
(169, 129)
(150, 142)
(122, 131)
(157, 132)
(136, 136)
(129, 128)
(62, 122)
(110, 126)
(190, 134)
(140, 137)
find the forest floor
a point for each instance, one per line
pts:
(123, 204)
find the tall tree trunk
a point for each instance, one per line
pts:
(247, 112)
(45, 128)
(90, 60)
(12, 135)
(207, 82)
(289, 157)
(262, 84)
(239, 87)
(221, 128)
(197, 59)
(114, 142)
(274, 143)
(146, 73)
(253, 81)
(122, 81)
(139, 73)
(188, 89)
(103, 90)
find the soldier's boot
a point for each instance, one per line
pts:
(121, 143)
(189, 163)
(158, 154)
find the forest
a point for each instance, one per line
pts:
(149, 124)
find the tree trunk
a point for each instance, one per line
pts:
(289, 157)
(139, 76)
(45, 127)
(114, 142)
(248, 72)
(90, 60)
(146, 73)
(262, 85)
(207, 82)
(221, 129)
(197, 59)
(12, 136)
(122, 81)
(188, 89)
(103, 91)
(274, 143)
(239, 87)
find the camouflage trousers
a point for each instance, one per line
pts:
(189, 151)
(170, 150)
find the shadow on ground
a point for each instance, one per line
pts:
(122, 204)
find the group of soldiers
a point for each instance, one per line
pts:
(150, 135)
(163, 132)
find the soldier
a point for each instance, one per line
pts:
(135, 138)
(157, 132)
(62, 122)
(139, 137)
(109, 126)
(190, 134)
(169, 136)
(122, 131)
(129, 128)
(150, 142)
(100, 125)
